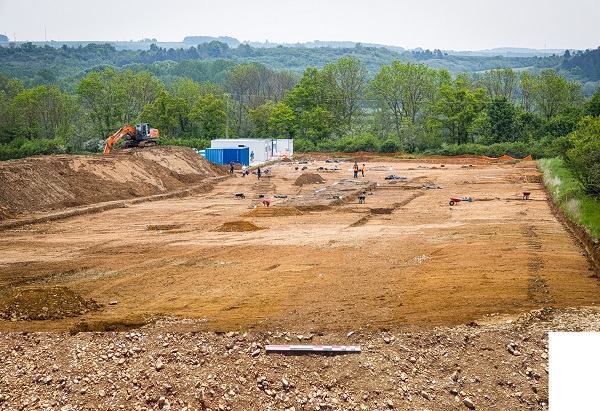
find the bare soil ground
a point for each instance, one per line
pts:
(451, 304)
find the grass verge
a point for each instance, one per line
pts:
(570, 197)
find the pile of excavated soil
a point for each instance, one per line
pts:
(39, 303)
(45, 183)
(239, 226)
(278, 211)
(309, 178)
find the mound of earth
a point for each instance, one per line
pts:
(273, 212)
(44, 183)
(239, 226)
(309, 178)
(43, 304)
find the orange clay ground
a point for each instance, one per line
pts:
(315, 259)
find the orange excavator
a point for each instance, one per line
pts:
(141, 136)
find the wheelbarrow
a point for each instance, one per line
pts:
(454, 200)
(526, 195)
(361, 199)
(240, 195)
(266, 203)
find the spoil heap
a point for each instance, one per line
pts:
(57, 182)
(309, 178)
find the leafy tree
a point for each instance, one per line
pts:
(500, 82)
(44, 113)
(209, 112)
(592, 106)
(142, 89)
(404, 91)
(386, 90)
(345, 82)
(309, 101)
(587, 62)
(553, 94)
(527, 91)
(104, 98)
(11, 87)
(170, 115)
(418, 86)
(318, 123)
(361, 142)
(456, 111)
(112, 99)
(242, 84)
(47, 76)
(390, 145)
(259, 118)
(188, 90)
(583, 158)
(7, 119)
(282, 121)
(563, 123)
(501, 118)
(279, 83)
(528, 127)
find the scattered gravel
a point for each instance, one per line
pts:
(496, 366)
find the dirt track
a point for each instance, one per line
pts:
(451, 304)
(316, 259)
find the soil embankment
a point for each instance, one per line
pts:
(46, 183)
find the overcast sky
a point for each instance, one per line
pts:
(429, 24)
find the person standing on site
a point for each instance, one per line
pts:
(231, 165)
(355, 168)
(258, 172)
(251, 156)
(362, 170)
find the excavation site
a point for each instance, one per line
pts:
(154, 279)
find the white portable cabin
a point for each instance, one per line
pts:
(282, 147)
(263, 149)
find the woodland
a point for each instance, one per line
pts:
(70, 99)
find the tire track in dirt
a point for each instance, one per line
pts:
(537, 290)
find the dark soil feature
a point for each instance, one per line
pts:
(239, 226)
(43, 303)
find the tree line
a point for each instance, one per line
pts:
(405, 106)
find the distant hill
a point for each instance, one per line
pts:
(64, 59)
(586, 64)
(501, 51)
(195, 40)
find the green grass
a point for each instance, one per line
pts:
(570, 197)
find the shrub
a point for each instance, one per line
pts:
(361, 142)
(303, 145)
(583, 159)
(391, 145)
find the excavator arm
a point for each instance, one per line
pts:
(112, 140)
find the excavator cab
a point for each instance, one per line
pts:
(142, 131)
(145, 136)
